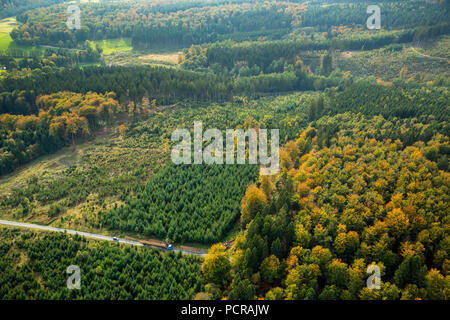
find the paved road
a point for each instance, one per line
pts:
(89, 235)
(53, 47)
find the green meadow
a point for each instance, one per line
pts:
(111, 46)
(6, 25)
(6, 42)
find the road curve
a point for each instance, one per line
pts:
(91, 235)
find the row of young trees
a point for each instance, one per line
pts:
(185, 203)
(133, 83)
(108, 272)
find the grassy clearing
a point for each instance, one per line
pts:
(427, 61)
(111, 46)
(120, 52)
(133, 58)
(6, 26)
(13, 45)
(170, 58)
(6, 42)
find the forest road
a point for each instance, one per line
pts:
(92, 236)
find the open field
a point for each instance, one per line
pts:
(120, 52)
(138, 58)
(171, 57)
(426, 61)
(6, 26)
(111, 46)
(6, 42)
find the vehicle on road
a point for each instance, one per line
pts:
(115, 239)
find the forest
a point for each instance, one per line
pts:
(154, 82)
(10, 8)
(17, 58)
(312, 230)
(87, 116)
(62, 118)
(134, 154)
(181, 204)
(245, 20)
(146, 24)
(109, 272)
(277, 56)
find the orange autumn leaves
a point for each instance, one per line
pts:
(256, 198)
(72, 115)
(359, 201)
(62, 118)
(253, 201)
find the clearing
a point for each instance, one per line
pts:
(111, 46)
(170, 57)
(6, 26)
(6, 42)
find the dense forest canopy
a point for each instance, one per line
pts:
(335, 209)
(149, 25)
(62, 118)
(141, 22)
(10, 8)
(109, 271)
(87, 116)
(16, 58)
(276, 56)
(134, 83)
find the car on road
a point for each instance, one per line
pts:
(115, 239)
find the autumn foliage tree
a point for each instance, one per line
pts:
(252, 202)
(216, 266)
(354, 198)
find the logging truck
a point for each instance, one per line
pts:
(153, 243)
